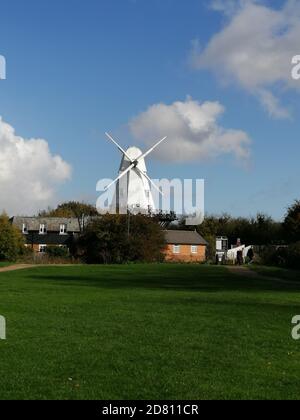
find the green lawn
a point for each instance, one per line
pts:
(280, 273)
(4, 264)
(147, 332)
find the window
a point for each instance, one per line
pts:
(24, 229)
(43, 229)
(42, 249)
(176, 249)
(194, 249)
(62, 229)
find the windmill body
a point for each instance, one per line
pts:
(133, 191)
(133, 185)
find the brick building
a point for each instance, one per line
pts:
(41, 233)
(185, 246)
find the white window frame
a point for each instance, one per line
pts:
(42, 248)
(63, 229)
(176, 249)
(25, 229)
(194, 249)
(43, 229)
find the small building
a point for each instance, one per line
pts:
(185, 246)
(42, 232)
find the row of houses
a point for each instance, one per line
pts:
(42, 232)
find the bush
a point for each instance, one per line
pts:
(293, 256)
(58, 252)
(116, 239)
(287, 257)
(11, 240)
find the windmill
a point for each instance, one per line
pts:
(133, 185)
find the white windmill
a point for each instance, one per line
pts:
(133, 185)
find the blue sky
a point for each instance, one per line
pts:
(76, 69)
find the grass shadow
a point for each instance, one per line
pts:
(162, 277)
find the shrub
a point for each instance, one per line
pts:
(293, 256)
(58, 252)
(11, 240)
(117, 239)
(287, 257)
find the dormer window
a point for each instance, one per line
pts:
(62, 229)
(24, 229)
(43, 229)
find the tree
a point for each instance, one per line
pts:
(79, 210)
(261, 230)
(11, 240)
(111, 239)
(292, 222)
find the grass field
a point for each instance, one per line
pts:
(277, 272)
(147, 332)
(4, 264)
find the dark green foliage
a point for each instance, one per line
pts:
(71, 209)
(287, 256)
(262, 230)
(11, 240)
(58, 252)
(79, 210)
(117, 239)
(292, 223)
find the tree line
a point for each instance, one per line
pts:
(278, 243)
(123, 238)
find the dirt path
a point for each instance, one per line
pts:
(16, 267)
(246, 272)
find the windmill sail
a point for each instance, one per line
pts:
(133, 185)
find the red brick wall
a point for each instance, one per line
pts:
(186, 254)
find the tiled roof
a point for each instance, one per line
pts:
(52, 223)
(184, 237)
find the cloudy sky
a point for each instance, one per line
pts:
(214, 76)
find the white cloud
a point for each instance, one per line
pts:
(272, 104)
(193, 132)
(228, 7)
(29, 173)
(255, 49)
